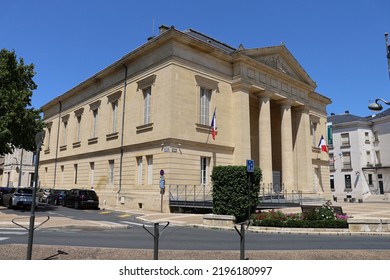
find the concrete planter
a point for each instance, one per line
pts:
(219, 220)
(369, 225)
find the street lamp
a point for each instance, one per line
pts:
(376, 106)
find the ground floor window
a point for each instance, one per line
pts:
(332, 183)
(204, 170)
(348, 182)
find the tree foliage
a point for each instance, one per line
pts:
(230, 191)
(19, 121)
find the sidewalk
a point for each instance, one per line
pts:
(364, 211)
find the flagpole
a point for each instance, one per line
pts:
(208, 135)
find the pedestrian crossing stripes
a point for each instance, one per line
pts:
(7, 233)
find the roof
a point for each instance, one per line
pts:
(381, 115)
(345, 118)
(222, 46)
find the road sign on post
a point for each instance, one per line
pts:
(250, 166)
(162, 187)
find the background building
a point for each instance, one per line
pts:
(360, 156)
(18, 169)
(152, 110)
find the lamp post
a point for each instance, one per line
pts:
(38, 141)
(376, 106)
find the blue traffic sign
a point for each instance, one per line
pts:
(250, 165)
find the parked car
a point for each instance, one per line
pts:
(81, 198)
(44, 193)
(3, 191)
(56, 197)
(19, 197)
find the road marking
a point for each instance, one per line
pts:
(3, 238)
(13, 232)
(105, 212)
(132, 223)
(124, 215)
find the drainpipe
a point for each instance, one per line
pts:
(122, 134)
(58, 139)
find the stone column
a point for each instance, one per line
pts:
(241, 135)
(286, 147)
(265, 139)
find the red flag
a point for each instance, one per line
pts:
(322, 144)
(214, 126)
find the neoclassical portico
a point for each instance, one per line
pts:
(282, 124)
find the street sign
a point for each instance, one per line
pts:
(250, 165)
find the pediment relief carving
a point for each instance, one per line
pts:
(277, 62)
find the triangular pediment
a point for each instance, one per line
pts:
(281, 59)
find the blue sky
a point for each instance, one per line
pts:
(340, 44)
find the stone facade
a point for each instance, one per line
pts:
(18, 169)
(152, 111)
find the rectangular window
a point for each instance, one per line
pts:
(48, 138)
(345, 139)
(78, 132)
(367, 137)
(94, 122)
(332, 183)
(368, 157)
(204, 170)
(92, 172)
(62, 174)
(75, 173)
(149, 160)
(348, 182)
(347, 160)
(205, 98)
(147, 104)
(313, 132)
(139, 170)
(370, 179)
(65, 126)
(111, 171)
(331, 162)
(114, 117)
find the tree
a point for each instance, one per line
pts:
(19, 121)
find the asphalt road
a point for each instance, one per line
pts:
(178, 237)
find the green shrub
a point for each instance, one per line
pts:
(230, 191)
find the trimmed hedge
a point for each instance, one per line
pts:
(301, 223)
(230, 191)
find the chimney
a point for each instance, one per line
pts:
(163, 28)
(332, 114)
(347, 112)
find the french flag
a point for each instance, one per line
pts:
(322, 144)
(214, 126)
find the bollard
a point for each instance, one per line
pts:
(241, 232)
(156, 237)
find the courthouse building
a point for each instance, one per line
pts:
(152, 110)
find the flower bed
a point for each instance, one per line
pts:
(323, 217)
